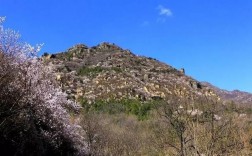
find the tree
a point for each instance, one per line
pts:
(197, 127)
(34, 112)
(220, 131)
(179, 116)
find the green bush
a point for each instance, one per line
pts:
(93, 71)
(127, 106)
(117, 69)
(89, 71)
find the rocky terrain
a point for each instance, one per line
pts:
(236, 96)
(107, 71)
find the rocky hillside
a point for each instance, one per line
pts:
(107, 71)
(236, 96)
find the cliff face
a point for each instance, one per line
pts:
(107, 71)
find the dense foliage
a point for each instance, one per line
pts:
(34, 113)
(128, 106)
(175, 127)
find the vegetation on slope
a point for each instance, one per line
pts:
(157, 110)
(175, 127)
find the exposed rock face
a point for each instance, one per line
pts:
(108, 46)
(236, 96)
(182, 70)
(107, 71)
(78, 46)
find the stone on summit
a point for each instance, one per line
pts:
(108, 46)
(78, 46)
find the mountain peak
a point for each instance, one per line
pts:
(78, 46)
(107, 46)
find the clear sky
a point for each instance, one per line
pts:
(211, 39)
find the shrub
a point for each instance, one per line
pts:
(34, 112)
(87, 71)
(127, 106)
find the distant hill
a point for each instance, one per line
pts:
(236, 96)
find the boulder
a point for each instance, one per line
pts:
(182, 70)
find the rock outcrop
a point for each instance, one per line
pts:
(107, 71)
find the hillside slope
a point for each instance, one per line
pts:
(236, 96)
(107, 71)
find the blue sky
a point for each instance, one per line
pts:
(211, 39)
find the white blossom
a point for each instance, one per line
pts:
(50, 105)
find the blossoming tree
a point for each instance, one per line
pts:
(34, 112)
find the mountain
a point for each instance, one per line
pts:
(107, 71)
(236, 96)
(118, 91)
